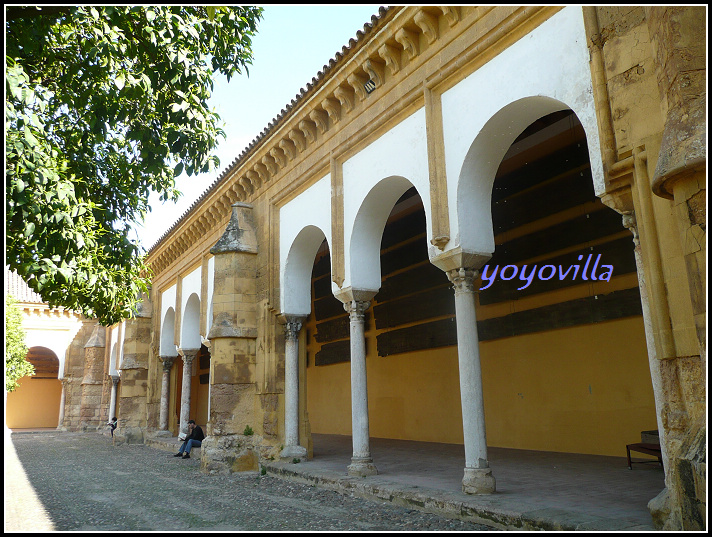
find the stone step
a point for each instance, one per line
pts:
(170, 444)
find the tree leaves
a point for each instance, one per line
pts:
(105, 105)
(16, 364)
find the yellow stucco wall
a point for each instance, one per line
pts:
(585, 389)
(34, 404)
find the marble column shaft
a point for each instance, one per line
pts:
(478, 477)
(291, 389)
(165, 391)
(361, 462)
(188, 357)
(112, 401)
(62, 401)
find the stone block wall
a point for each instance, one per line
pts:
(655, 76)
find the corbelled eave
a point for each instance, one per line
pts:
(397, 43)
(254, 168)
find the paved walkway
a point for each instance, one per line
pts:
(535, 490)
(23, 509)
(81, 482)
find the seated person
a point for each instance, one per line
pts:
(194, 438)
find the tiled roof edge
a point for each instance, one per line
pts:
(338, 58)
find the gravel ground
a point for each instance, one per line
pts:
(86, 484)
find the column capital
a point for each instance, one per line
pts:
(630, 223)
(115, 379)
(188, 354)
(357, 309)
(292, 326)
(167, 362)
(463, 279)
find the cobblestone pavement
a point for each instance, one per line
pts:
(86, 484)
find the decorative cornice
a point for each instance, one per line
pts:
(345, 97)
(308, 128)
(316, 112)
(376, 71)
(409, 41)
(320, 119)
(451, 14)
(333, 108)
(341, 58)
(390, 55)
(428, 24)
(358, 82)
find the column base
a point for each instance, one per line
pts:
(478, 481)
(293, 452)
(361, 467)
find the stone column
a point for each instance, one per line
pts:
(292, 447)
(233, 350)
(478, 478)
(678, 35)
(134, 374)
(112, 401)
(361, 461)
(92, 381)
(72, 377)
(188, 357)
(165, 391)
(61, 403)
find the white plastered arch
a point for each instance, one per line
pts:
(190, 310)
(56, 341)
(304, 223)
(367, 232)
(474, 194)
(190, 323)
(167, 347)
(113, 359)
(374, 179)
(50, 349)
(544, 72)
(298, 269)
(168, 318)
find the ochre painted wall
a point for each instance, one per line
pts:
(198, 397)
(34, 404)
(585, 389)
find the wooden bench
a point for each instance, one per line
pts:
(648, 449)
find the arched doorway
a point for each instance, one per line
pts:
(413, 386)
(199, 389)
(35, 403)
(327, 353)
(562, 342)
(413, 369)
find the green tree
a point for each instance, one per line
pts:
(16, 364)
(105, 105)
